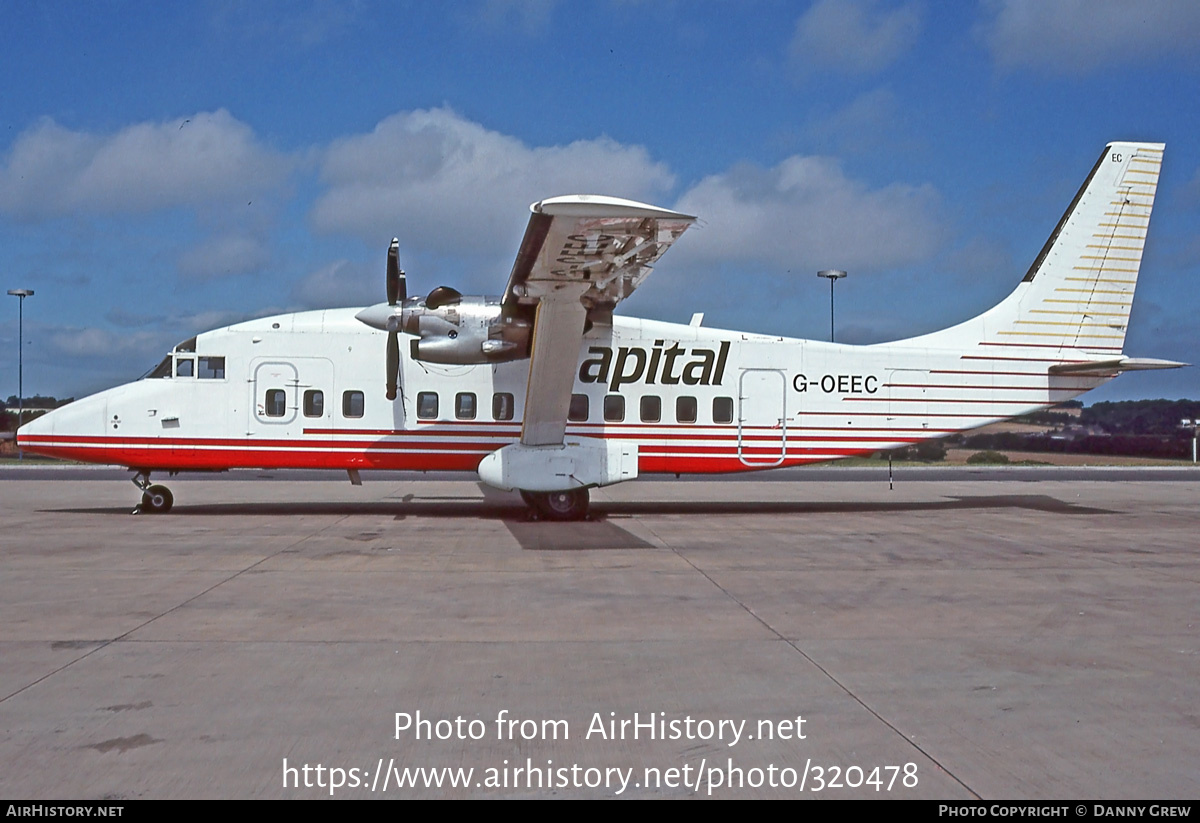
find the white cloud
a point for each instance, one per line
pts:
(126, 319)
(531, 17)
(92, 343)
(445, 184)
(1078, 36)
(863, 124)
(223, 255)
(984, 260)
(806, 213)
(206, 158)
(1191, 190)
(853, 36)
(292, 23)
(341, 284)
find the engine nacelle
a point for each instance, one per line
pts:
(467, 331)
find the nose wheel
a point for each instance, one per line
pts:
(156, 499)
(559, 506)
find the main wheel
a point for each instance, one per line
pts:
(565, 505)
(157, 500)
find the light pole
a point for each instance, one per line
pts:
(833, 275)
(20, 294)
(1194, 425)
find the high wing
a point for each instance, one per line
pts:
(581, 255)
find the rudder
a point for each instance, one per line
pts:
(1082, 282)
(1078, 292)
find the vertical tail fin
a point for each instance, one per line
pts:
(1078, 292)
(1084, 278)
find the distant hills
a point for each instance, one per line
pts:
(1132, 428)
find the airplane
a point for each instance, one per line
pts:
(545, 391)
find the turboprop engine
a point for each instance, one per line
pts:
(446, 326)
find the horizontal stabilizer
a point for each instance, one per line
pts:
(1116, 364)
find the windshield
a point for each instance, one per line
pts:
(163, 369)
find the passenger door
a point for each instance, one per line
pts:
(291, 399)
(762, 417)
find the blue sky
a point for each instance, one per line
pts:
(170, 168)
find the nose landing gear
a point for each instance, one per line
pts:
(156, 499)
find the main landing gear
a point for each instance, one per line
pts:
(565, 505)
(156, 499)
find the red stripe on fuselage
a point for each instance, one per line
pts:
(720, 455)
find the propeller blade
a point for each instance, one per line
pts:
(442, 296)
(397, 286)
(393, 363)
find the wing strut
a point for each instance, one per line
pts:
(560, 319)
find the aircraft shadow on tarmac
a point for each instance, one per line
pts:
(598, 532)
(458, 507)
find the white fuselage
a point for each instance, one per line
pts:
(311, 390)
(306, 391)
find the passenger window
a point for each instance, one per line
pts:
(722, 409)
(614, 408)
(579, 408)
(503, 406)
(314, 403)
(651, 408)
(185, 367)
(276, 405)
(427, 405)
(685, 410)
(353, 404)
(464, 405)
(212, 368)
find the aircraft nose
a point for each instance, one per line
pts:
(378, 316)
(81, 417)
(37, 426)
(41, 430)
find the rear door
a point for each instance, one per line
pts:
(762, 419)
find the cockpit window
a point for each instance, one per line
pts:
(185, 367)
(163, 369)
(187, 345)
(212, 368)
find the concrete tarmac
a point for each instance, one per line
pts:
(965, 638)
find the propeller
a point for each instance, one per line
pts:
(393, 321)
(397, 283)
(397, 291)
